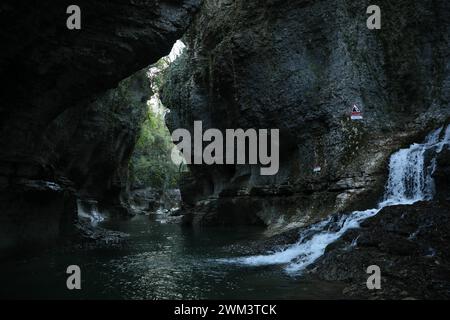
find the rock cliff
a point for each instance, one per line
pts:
(300, 66)
(67, 129)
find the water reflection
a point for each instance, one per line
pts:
(160, 261)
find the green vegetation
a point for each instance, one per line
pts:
(151, 164)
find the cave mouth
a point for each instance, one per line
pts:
(154, 178)
(138, 137)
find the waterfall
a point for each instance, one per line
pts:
(410, 180)
(88, 209)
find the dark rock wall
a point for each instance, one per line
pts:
(441, 177)
(94, 147)
(409, 243)
(61, 119)
(34, 213)
(299, 66)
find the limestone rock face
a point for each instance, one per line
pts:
(64, 119)
(300, 66)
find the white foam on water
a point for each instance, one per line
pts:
(410, 180)
(89, 210)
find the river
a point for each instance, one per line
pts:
(160, 261)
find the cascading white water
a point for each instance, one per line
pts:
(410, 180)
(88, 210)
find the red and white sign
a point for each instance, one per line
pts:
(356, 113)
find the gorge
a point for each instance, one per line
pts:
(74, 109)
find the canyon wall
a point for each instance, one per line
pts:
(300, 66)
(67, 129)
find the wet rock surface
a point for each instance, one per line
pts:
(87, 235)
(441, 177)
(410, 244)
(150, 200)
(145, 200)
